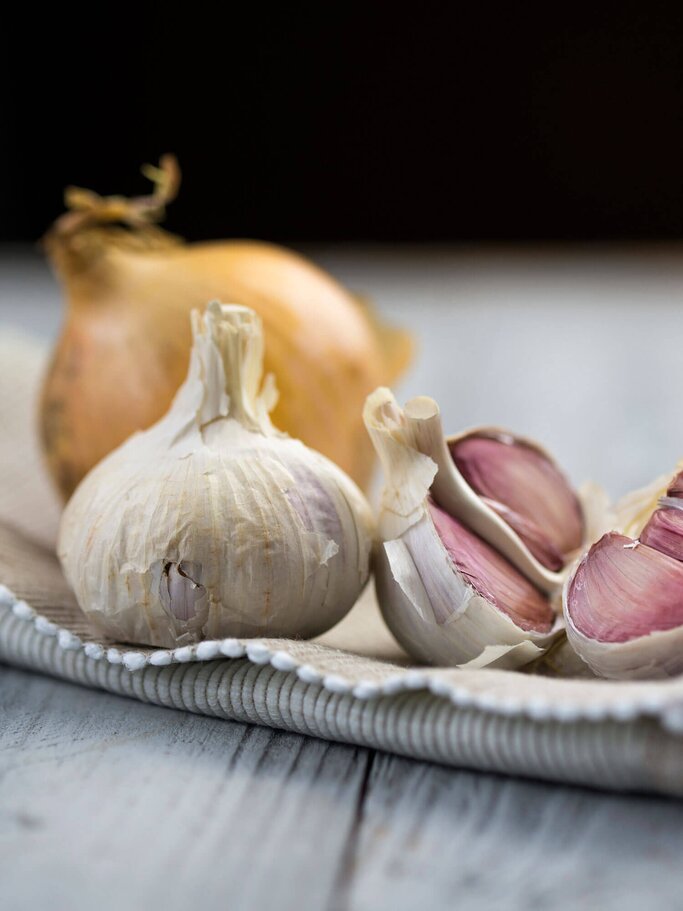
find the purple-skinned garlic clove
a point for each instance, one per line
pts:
(522, 485)
(181, 592)
(675, 488)
(530, 534)
(623, 605)
(456, 585)
(622, 590)
(664, 529)
(491, 575)
(505, 472)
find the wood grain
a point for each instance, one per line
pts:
(434, 838)
(108, 803)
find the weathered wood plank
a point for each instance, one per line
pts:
(107, 803)
(434, 838)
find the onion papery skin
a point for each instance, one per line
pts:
(111, 374)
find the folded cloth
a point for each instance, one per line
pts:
(354, 684)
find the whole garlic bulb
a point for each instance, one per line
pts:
(623, 604)
(212, 523)
(476, 532)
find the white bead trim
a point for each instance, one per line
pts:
(93, 650)
(669, 711)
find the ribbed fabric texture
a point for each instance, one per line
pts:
(637, 755)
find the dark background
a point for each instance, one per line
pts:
(451, 122)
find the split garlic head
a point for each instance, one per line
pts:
(212, 523)
(623, 603)
(476, 532)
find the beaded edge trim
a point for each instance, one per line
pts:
(669, 713)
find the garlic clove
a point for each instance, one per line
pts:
(664, 529)
(621, 590)
(675, 488)
(633, 510)
(623, 604)
(623, 607)
(530, 533)
(181, 592)
(449, 596)
(437, 613)
(523, 485)
(491, 575)
(452, 491)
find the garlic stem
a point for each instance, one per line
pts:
(226, 366)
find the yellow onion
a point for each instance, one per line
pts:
(114, 372)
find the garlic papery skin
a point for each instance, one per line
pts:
(448, 595)
(212, 523)
(623, 604)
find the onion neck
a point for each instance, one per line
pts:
(94, 226)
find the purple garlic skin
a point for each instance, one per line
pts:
(664, 530)
(530, 534)
(456, 585)
(491, 575)
(625, 589)
(180, 592)
(526, 489)
(622, 590)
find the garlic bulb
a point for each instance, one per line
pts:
(212, 523)
(623, 604)
(476, 531)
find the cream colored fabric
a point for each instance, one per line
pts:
(27, 499)
(41, 627)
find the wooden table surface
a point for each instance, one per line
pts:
(107, 803)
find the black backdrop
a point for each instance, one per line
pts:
(334, 122)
